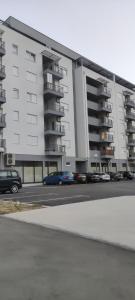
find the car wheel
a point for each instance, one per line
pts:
(60, 182)
(14, 189)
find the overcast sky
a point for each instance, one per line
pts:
(101, 30)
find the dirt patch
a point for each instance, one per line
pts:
(16, 206)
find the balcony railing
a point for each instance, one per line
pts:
(130, 115)
(131, 155)
(2, 143)
(2, 72)
(108, 152)
(53, 87)
(54, 149)
(58, 129)
(2, 48)
(106, 107)
(58, 108)
(131, 129)
(106, 122)
(131, 142)
(104, 92)
(106, 137)
(130, 103)
(2, 96)
(2, 121)
(54, 68)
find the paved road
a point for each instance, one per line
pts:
(57, 195)
(38, 263)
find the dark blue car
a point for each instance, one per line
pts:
(59, 178)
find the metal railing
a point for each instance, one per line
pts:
(106, 122)
(53, 87)
(2, 69)
(107, 152)
(55, 107)
(55, 148)
(54, 68)
(2, 93)
(131, 141)
(131, 103)
(2, 119)
(107, 106)
(131, 128)
(2, 45)
(131, 154)
(106, 137)
(2, 143)
(104, 90)
(130, 115)
(57, 128)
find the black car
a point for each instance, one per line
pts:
(10, 181)
(79, 177)
(92, 177)
(116, 176)
(128, 175)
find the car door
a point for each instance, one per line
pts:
(4, 180)
(50, 178)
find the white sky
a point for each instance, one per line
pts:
(101, 30)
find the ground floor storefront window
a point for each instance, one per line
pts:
(31, 171)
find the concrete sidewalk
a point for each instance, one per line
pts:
(111, 220)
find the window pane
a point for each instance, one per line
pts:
(38, 173)
(15, 71)
(16, 93)
(31, 76)
(32, 140)
(28, 174)
(32, 119)
(15, 49)
(31, 97)
(30, 56)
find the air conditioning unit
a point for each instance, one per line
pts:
(10, 159)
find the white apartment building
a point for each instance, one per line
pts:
(59, 110)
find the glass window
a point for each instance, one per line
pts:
(15, 93)
(32, 119)
(15, 49)
(15, 71)
(3, 174)
(38, 172)
(32, 140)
(16, 115)
(30, 56)
(31, 76)
(14, 174)
(28, 174)
(31, 97)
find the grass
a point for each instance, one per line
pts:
(7, 207)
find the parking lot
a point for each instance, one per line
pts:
(58, 195)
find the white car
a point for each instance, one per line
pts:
(104, 177)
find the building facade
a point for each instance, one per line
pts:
(59, 110)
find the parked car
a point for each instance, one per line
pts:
(128, 175)
(92, 177)
(104, 177)
(10, 181)
(116, 176)
(80, 177)
(59, 178)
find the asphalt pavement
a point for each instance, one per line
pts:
(39, 263)
(59, 195)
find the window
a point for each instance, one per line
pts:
(15, 49)
(31, 76)
(14, 174)
(30, 56)
(32, 119)
(16, 115)
(15, 93)
(68, 164)
(32, 140)
(15, 71)
(31, 97)
(16, 138)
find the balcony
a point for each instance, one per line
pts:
(104, 137)
(106, 122)
(55, 70)
(2, 121)
(55, 150)
(57, 130)
(2, 72)
(130, 103)
(130, 116)
(51, 90)
(2, 145)
(131, 142)
(2, 96)
(130, 129)
(95, 155)
(2, 48)
(104, 92)
(54, 110)
(131, 155)
(107, 153)
(105, 107)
